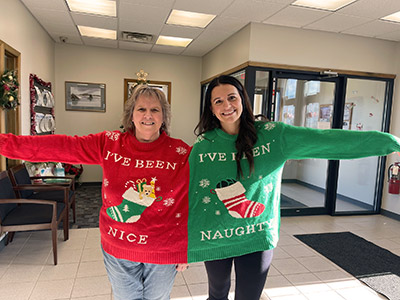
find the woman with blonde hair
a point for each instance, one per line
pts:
(143, 219)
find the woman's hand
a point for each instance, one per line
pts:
(181, 267)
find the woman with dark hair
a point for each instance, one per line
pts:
(235, 179)
(143, 219)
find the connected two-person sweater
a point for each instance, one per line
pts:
(145, 216)
(229, 216)
(145, 188)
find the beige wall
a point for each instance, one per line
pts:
(285, 45)
(111, 66)
(22, 32)
(231, 53)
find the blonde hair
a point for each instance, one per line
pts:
(145, 90)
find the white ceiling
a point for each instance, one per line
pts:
(149, 16)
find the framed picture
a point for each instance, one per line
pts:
(85, 96)
(164, 86)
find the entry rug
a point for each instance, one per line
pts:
(369, 263)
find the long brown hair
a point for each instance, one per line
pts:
(247, 136)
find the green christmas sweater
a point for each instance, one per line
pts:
(230, 217)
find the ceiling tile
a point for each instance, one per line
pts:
(155, 3)
(337, 23)
(278, 1)
(52, 16)
(393, 36)
(141, 13)
(135, 46)
(48, 4)
(180, 31)
(167, 49)
(70, 39)
(371, 8)
(252, 10)
(100, 42)
(296, 16)
(203, 6)
(373, 28)
(95, 21)
(148, 16)
(227, 24)
(59, 28)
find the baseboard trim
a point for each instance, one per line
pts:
(390, 214)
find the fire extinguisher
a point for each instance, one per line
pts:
(394, 178)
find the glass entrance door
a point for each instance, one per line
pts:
(358, 187)
(305, 102)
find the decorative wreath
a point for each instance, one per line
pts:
(9, 90)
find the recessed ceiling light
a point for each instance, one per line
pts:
(173, 41)
(331, 5)
(96, 7)
(97, 32)
(393, 17)
(187, 18)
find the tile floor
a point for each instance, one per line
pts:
(298, 272)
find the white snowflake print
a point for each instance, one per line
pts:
(158, 189)
(105, 182)
(126, 208)
(206, 200)
(199, 139)
(178, 215)
(114, 136)
(169, 202)
(269, 126)
(217, 212)
(204, 183)
(181, 150)
(268, 188)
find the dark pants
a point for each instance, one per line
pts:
(251, 272)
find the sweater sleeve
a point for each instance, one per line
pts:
(60, 148)
(303, 143)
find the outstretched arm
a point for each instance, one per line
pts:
(62, 148)
(302, 143)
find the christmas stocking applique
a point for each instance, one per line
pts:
(134, 202)
(231, 193)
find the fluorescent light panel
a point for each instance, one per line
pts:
(331, 5)
(96, 7)
(393, 17)
(187, 18)
(97, 32)
(173, 41)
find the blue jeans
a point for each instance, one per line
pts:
(139, 281)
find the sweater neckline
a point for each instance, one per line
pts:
(226, 136)
(149, 146)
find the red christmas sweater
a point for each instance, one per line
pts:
(145, 188)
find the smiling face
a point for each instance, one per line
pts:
(226, 105)
(148, 118)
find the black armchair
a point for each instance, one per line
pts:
(24, 187)
(29, 214)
